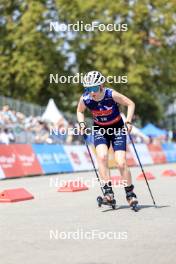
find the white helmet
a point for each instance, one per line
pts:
(93, 78)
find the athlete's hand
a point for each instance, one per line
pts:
(129, 126)
(82, 127)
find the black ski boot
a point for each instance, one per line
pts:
(131, 197)
(108, 192)
(108, 198)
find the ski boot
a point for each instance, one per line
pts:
(131, 198)
(108, 198)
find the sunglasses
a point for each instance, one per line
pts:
(92, 89)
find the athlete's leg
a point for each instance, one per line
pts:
(119, 146)
(102, 159)
(102, 144)
(120, 159)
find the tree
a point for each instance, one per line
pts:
(142, 53)
(29, 51)
(28, 54)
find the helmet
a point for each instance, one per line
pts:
(93, 78)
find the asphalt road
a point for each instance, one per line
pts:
(69, 227)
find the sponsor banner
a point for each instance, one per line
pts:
(2, 175)
(28, 159)
(157, 153)
(143, 153)
(62, 158)
(9, 162)
(52, 158)
(17, 160)
(169, 151)
(79, 157)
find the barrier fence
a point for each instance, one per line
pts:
(18, 160)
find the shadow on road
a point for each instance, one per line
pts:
(140, 207)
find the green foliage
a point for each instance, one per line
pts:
(143, 53)
(29, 52)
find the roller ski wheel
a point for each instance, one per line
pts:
(113, 204)
(133, 203)
(99, 201)
(105, 201)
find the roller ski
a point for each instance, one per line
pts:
(131, 198)
(108, 198)
(103, 201)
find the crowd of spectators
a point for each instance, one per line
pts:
(15, 127)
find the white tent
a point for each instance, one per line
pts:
(171, 110)
(52, 113)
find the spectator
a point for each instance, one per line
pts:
(6, 136)
(18, 128)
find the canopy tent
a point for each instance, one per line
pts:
(52, 113)
(153, 131)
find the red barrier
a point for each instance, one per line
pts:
(19, 160)
(157, 154)
(9, 162)
(28, 159)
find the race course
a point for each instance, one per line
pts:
(150, 233)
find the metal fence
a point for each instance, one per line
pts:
(28, 109)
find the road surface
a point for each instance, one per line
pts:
(69, 227)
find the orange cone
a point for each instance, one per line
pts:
(169, 173)
(73, 186)
(15, 195)
(148, 175)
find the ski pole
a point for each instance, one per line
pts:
(141, 167)
(93, 164)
